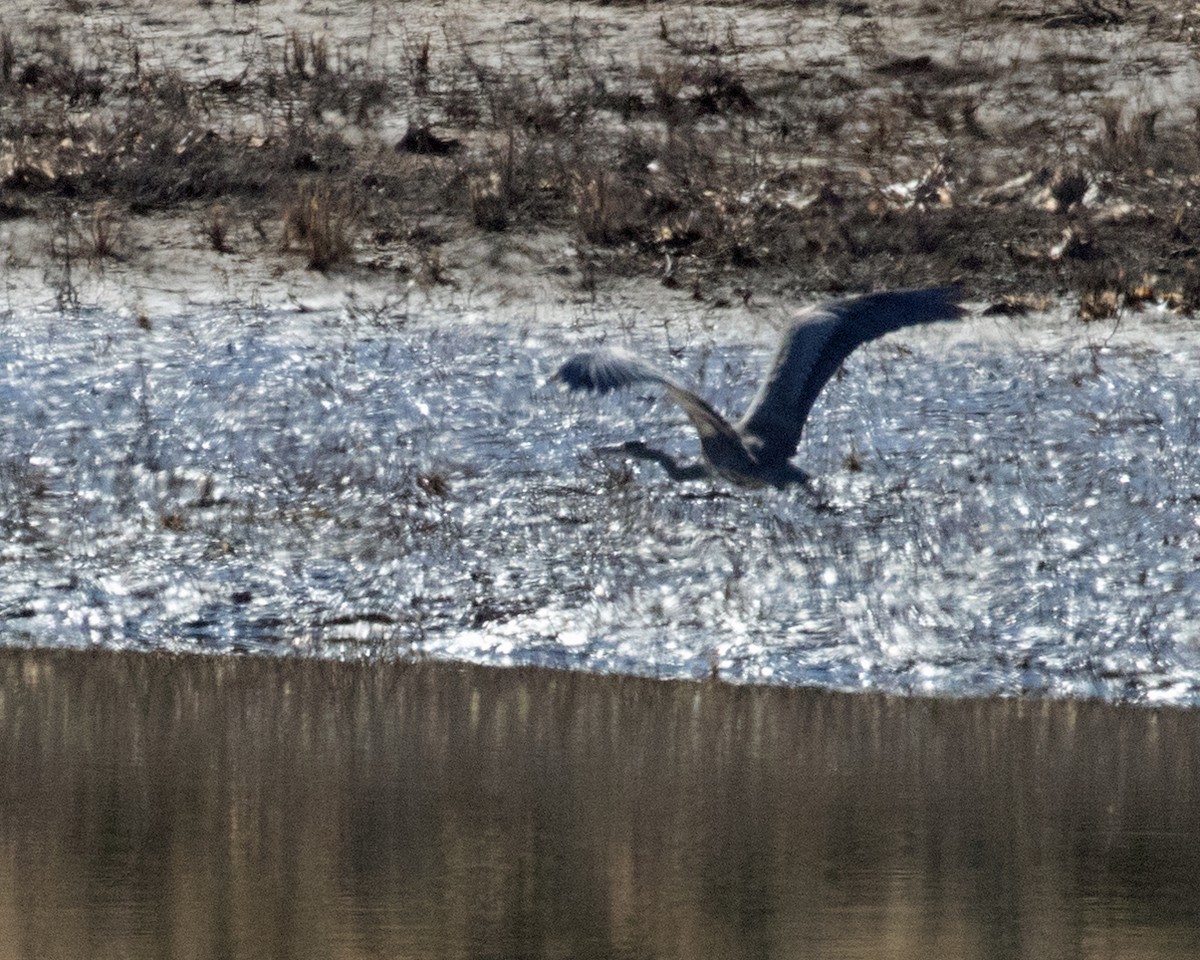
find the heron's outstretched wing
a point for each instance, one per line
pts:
(605, 370)
(814, 346)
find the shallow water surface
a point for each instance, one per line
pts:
(1023, 516)
(167, 806)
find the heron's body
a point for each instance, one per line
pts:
(757, 450)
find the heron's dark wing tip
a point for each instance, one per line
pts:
(570, 374)
(883, 312)
(944, 302)
(952, 297)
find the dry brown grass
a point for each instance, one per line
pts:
(216, 227)
(322, 220)
(301, 53)
(8, 57)
(491, 199)
(1099, 305)
(1128, 138)
(104, 234)
(608, 209)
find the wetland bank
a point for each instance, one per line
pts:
(293, 525)
(728, 151)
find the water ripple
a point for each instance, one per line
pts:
(1024, 519)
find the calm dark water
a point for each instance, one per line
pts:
(155, 805)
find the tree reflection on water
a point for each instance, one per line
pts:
(158, 806)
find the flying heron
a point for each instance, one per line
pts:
(757, 449)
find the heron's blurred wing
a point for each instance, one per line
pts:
(814, 346)
(604, 370)
(707, 421)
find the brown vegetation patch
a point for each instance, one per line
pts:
(321, 219)
(816, 144)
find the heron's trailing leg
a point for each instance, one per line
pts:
(640, 451)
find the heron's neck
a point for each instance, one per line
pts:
(675, 470)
